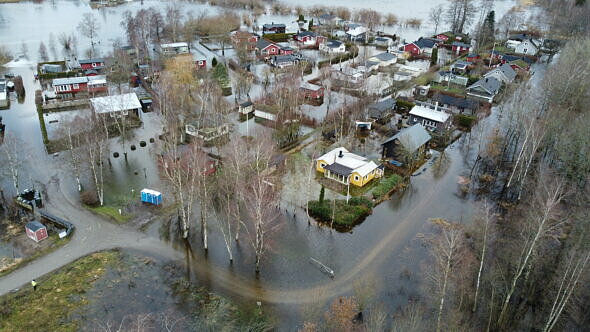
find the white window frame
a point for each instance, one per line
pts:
(75, 86)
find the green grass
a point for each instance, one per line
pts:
(386, 185)
(56, 297)
(451, 89)
(348, 215)
(111, 212)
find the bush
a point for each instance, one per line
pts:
(346, 215)
(89, 198)
(386, 185)
(402, 104)
(465, 121)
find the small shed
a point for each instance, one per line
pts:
(36, 230)
(151, 196)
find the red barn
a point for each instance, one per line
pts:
(36, 231)
(91, 64)
(312, 91)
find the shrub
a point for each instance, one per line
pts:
(465, 121)
(386, 185)
(402, 104)
(322, 194)
(89, 198)
(345, 214)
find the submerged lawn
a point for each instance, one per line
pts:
(111, 213)
(57, 295)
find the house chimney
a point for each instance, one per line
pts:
(340, 154)
(436, 106)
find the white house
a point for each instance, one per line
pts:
(401, 76)
(384, 59)
(358, 33)
(266, 112)
(332, 47)
(528, 47)
(431, 119)
(174, 48)
(116, 105)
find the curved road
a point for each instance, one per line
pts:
(93, 234)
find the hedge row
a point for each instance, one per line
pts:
(279, 37)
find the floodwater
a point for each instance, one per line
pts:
(383, 248)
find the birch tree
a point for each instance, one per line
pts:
(540, 224)
(12, 154)
(261, 196)
(96, 148)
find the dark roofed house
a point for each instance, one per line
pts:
(456, 104)
(382, 110)
(485, 88)
(407, 144)
(459, 47)
(273, 28)
(87, 64)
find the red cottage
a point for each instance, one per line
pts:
(91, 64)
(412, 48)
(71, 85)
(443, 36)
(312, 91)
(266, 49)
(459, 47)
(36, 231)
(472, 57)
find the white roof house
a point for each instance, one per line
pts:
(430, 114)
(115, 104)
(345, 167)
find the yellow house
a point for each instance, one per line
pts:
(346, 167)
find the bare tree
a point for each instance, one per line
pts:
(96, 146)
(541, 223)
(261, 195)
(89, 27)
(12, 158)
(43, 52)
(487, 219)
(460, 14)
(436, 16)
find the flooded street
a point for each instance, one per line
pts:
(385, 247)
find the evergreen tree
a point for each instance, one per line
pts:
(434, 57)
(214, 62)
(488, 29)
(310, 26)
(322, 193)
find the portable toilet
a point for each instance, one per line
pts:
(36, 230)
(151, 196)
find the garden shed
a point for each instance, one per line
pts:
(36, 230)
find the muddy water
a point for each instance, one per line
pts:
(385, 250)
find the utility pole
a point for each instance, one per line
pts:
(492, 55)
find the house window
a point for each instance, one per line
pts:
(525, 50)
(76, 86)
(322, 165)
(356, 178)
(94, 64)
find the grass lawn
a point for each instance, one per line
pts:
(345, 215)
(57, 295)
(385, 185)
(451, 89)
(111, 212)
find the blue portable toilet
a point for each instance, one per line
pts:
(151, 196)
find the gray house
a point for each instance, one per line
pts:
(486, 88)
(382, 110)
(503, 73)
(407, 144)
(456, 104)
